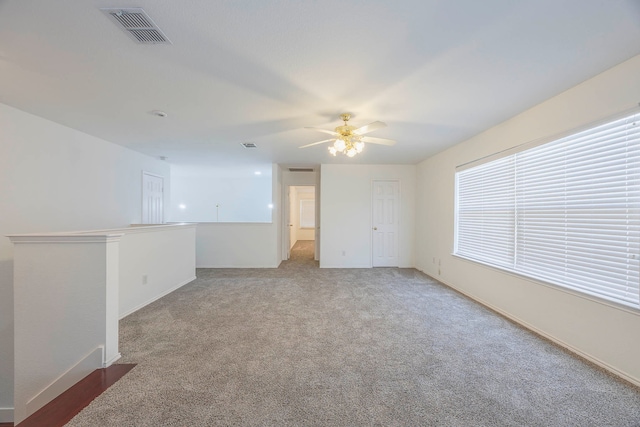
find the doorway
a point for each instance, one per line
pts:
(301, 218)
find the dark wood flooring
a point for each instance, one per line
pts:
(60, 410)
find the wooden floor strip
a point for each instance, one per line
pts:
(60, 410)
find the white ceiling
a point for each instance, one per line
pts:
(436, 71)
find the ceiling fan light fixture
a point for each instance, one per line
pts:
(350, 140)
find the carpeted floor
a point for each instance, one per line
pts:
(303, 346)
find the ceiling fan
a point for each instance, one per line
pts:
(349, 139)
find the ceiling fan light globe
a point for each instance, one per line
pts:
(333, 150)
(359, 146)
(351, 152)
(340, 145)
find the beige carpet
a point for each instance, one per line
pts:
(303, 346)
(303, 250)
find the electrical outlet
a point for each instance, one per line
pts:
(145, 279)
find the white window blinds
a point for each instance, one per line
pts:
(566, 212)
(486, 212)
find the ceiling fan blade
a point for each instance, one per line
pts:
(330, 132)
(370, 127)
(316, 143)
(381, 141)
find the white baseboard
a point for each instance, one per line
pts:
(112, 360)
(157, 297)
(6, 415)
(84, 367)
(587, 356)
(237, 266)
(346, 266)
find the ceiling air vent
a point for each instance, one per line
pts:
(249, 145)
(300, 169)
(136, 23)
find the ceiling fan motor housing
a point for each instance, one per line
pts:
(345, 130)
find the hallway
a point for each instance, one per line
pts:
(302, 255)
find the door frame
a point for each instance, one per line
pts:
(286, 220)
(311, 177)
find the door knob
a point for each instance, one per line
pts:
(375, 228)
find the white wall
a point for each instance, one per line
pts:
(66, 313)
(605, 334)
(299, 178)
(221, 194)
(244, 245)
(345, 224)
(53, 178)
(153, 262)
(277, 216)
(237, 245)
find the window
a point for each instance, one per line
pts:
(307, 213)
(566, 212)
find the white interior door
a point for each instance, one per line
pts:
(386, 198)
(287, 231)
(152, 199)
(317, 248)
(293, 238)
